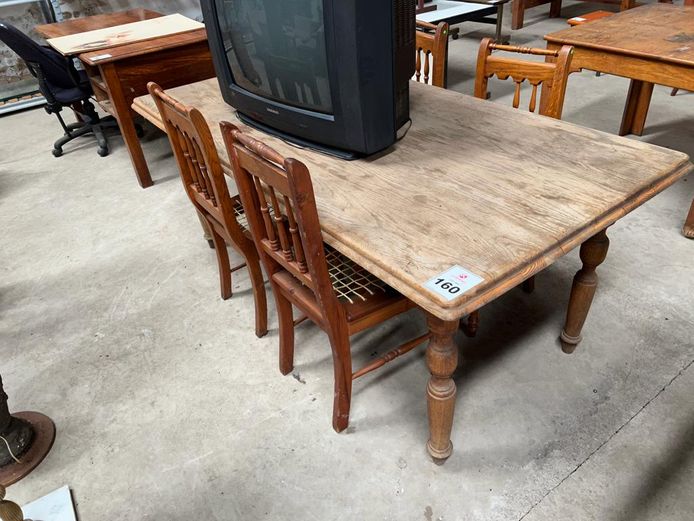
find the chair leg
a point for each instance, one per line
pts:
(471, 325)
(342, 363)
(674, 92)
(529, 285)
(259, 295)
(70, 134)
(101, 140)
(223, 262)
(286, 322)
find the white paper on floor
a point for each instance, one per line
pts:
(56, 506)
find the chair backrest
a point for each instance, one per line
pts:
(198, 161)
(56, 69)
(552, 76)
(277, 195)
(432, 53)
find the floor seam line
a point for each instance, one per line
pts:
(679, 373)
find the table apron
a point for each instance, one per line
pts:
(169, 68)
(632, 67)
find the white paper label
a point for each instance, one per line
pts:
(453, 282)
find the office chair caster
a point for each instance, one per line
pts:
(102, 151)
(57, 152)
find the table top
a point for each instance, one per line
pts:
(498, 191)
(92, 23)
(124, 34)
(663, 32)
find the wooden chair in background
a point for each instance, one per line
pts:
(550, 76)
(339, 296)
(432, 53)
(205, 184)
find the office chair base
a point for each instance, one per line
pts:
(75, 130)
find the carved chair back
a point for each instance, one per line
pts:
(432, 53)
(552, 75)
(198, 162)
(277, 194)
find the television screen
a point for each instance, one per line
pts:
(276, 49)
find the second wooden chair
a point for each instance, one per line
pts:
(205, 185)
(339, 296)
(432, 53)
(552, 77)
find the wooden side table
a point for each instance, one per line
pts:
(119, 74)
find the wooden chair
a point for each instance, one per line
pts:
(205, 184)
(552, 76)
(432, 53)
(338, 295)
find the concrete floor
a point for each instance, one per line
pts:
(169, 408)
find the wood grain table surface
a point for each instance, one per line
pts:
(119, 74)
(461, 189)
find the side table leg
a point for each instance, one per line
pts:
(593, 253)
(124, 115)
(442, 359)
(688, 229)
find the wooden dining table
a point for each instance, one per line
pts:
(120, 74)
(461, 202)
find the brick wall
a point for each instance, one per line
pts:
(13, 74)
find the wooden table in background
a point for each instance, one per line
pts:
(460, 189)
(651, 44)
(120, 74)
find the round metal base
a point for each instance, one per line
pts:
(44, 435)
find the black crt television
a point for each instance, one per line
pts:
(328, 74)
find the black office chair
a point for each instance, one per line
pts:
(62, 85)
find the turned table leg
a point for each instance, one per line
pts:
(688, 229)
(442, 359)
(593, 253)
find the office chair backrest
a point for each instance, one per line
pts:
(56, 69)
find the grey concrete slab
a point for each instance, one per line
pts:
(168, 406)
